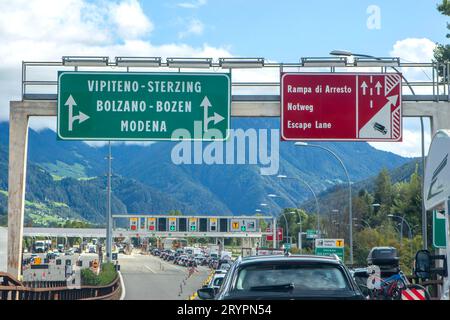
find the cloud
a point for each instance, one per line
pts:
(412, 50)
(46, 30)
(411, 146)
(192, 4)
(130, 20)
(194, 27)
(415, 50)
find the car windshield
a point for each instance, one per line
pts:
(291, 277)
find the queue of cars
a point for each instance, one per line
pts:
(188, 257)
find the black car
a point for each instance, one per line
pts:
(386, 258)
(286, 277)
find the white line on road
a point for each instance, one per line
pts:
(122, 284)
(150, 269)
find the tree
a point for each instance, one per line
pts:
(175, 213)
(442, 52)
(383, 196)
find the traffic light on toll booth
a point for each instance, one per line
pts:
(243, 228)
(151, 224)
(172, 224)
(192, 224)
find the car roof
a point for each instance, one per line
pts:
(219, 275)
(297, 258)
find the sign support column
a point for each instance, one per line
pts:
(109, 217)
(18, 142)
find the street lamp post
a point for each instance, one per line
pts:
(274, 226)
(364, 221)
(401, 230)
(303, 144)
(312, 191)
(424, 213)
(283, 214)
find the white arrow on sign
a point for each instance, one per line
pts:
(81, 117)
(378, 86)
(393, 100)
(364, 87)
(206, 120)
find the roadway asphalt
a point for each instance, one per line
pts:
(147, 277)
(3, 238)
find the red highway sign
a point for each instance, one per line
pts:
(341, 106)
(279, 234)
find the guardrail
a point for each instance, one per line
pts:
(12, 289)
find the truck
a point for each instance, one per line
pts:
(39, 247)
(225, 254)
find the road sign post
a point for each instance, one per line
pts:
(143, 106)
(327, 247)
(341, 107)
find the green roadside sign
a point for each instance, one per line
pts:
(143, 106)
(311, 234)
(329, 251)
(438, 230)
(327, 247)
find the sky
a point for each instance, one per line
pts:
(279, 31)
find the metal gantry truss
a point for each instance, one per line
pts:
(39, 78)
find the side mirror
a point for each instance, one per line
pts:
(205, 286)
(206, 293)
(422, 264)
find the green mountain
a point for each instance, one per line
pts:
(67, 179)
(337, 197)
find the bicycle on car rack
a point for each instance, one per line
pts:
(396, 287)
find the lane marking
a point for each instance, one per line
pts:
(122, 284)
(150, 269)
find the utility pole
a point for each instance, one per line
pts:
(108, 214)
(300, 244)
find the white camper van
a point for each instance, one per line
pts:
(436, 194)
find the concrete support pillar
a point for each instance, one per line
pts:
(18, 142)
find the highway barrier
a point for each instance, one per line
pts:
(12, 289)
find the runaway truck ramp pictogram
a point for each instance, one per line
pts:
(341, 106)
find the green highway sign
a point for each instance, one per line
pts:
(143, 106)
(438, 230)
(327, 247)
(311, 234)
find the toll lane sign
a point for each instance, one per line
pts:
(143, 106)
(327, 247)
(341, 106)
